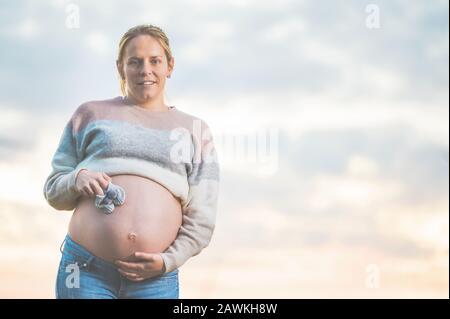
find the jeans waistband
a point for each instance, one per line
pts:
(71, 247)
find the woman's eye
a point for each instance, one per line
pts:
(134, 62)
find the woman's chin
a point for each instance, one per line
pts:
(144, 96)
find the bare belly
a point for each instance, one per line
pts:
(148, 221)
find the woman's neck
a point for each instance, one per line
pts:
(152, 105)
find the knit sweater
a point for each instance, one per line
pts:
(170, 147)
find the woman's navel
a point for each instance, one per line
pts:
(132, 236)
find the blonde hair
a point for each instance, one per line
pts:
(147, 29)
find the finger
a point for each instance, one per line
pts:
(88, 191)
(129, 270)
(144, 256)
(131, 267)
(106, 177)
(96, 188)
(134, 257)
(129, 258)
(136, 279)
(127, 273)
(103, 182)
(131, 276)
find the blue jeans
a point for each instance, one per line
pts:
(82, 275)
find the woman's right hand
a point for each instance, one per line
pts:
(89, 183)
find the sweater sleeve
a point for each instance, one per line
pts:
(199, 212)
(59, 187)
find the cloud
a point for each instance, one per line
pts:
(291, 49)
(362, 114)
(13, 140)
(98, 43)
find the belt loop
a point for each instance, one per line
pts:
(60, 247)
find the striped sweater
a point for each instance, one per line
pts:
(170, 147)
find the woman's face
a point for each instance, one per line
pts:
(145, 68)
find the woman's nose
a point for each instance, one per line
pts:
(146, 68)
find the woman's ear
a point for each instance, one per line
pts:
(170, 67)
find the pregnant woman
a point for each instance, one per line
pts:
(165, 164)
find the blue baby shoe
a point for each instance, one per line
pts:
(114, 195)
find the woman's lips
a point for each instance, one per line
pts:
(146, 83)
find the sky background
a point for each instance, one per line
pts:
(347, 196)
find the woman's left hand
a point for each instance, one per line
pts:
(140, 266)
